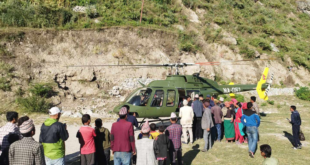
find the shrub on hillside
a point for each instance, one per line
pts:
(261, 43)
(239, 98)
(34, 104)
(248, 52)
(6, 76)
(43, 90)
(303, 93)
(271, 102)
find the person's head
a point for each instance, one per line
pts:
(293, 108)
(201, 97)
(55, 113)
(153, 127)
(253, 99)
(216, 102)
(98, 123)
(145, 130)
(12, 138)
(238, 105)
(265, 150)
(86, 119)
(196, 97)
(189, 98)
(123, 113)
(184, 97)
(127, 107)
(12, 116)
(227, 104)
(161, 129)
(208, 97)
(21, 120)
(249, 105)
(206, 103)
(26, 128)
(185, 102)
(221, 100)
(173, 118)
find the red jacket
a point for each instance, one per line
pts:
(122, 137)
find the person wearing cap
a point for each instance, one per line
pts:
(9, 128)
(102, 143)
(187, 116)
(26, 151)
(122, 139)
(221, 102)
(211, 101)
(174, 131)
(198, 110)
(145, 147)
(53, 136)
(189, 100)
(217, 115)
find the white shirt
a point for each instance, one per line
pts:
(187, 116)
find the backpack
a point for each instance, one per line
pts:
(301, 136)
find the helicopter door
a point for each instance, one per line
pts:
(156, 104)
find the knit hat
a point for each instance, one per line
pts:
(26, 127)
(123, 111)
(196, 96)
(146, 127)
(221, 99)
(173, 115)
(185, 102)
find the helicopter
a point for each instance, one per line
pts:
(162, 97)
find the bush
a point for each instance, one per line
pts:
(263, 104)
(239, 98)
(188, 42)
(249, 53)
(271, 102)
(6, 76)
(261, 43)
(219, 20)
(34, 104)
(303, 93)
(42, 90)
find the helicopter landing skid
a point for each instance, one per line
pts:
(156, 120)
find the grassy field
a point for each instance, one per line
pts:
(274, 130)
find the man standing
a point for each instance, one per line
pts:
(174, 131)
(211, 101)
(216, 110)
(187, 115)
(9, 128)
(198, 110)
(296, 122)
(206, 125)
(53, 136)
(26, 151)
(132, 119)
(252, 121)
(255, 106)
(122, 139)
(145, 147)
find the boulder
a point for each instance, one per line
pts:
(230, 40)
(274, 47)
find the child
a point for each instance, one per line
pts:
(161, 146)
(86, 136)
(153, 132)
(102, 143)
(266, 153)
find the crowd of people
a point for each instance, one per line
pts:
(202, 118)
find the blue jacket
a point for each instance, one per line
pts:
(198, 108)
(250, 118)
(295, 118)
(131, 119)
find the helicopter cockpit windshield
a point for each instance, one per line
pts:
(141, 97)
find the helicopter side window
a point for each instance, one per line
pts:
(170, 98)
(158, 99)
(141, 97)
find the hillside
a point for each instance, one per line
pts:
(38, 40)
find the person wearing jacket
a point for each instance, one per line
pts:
(53, 136)
(296, 122)
(187, 115)
(161, 146)
(252, 121)
(198, 110)
(206, 125)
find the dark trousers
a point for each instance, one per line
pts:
(103, 157)
(175, 154)
(197, 130)
(296, 130)
(88, 159)
(162, 162)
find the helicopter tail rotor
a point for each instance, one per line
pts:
(262, 92)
